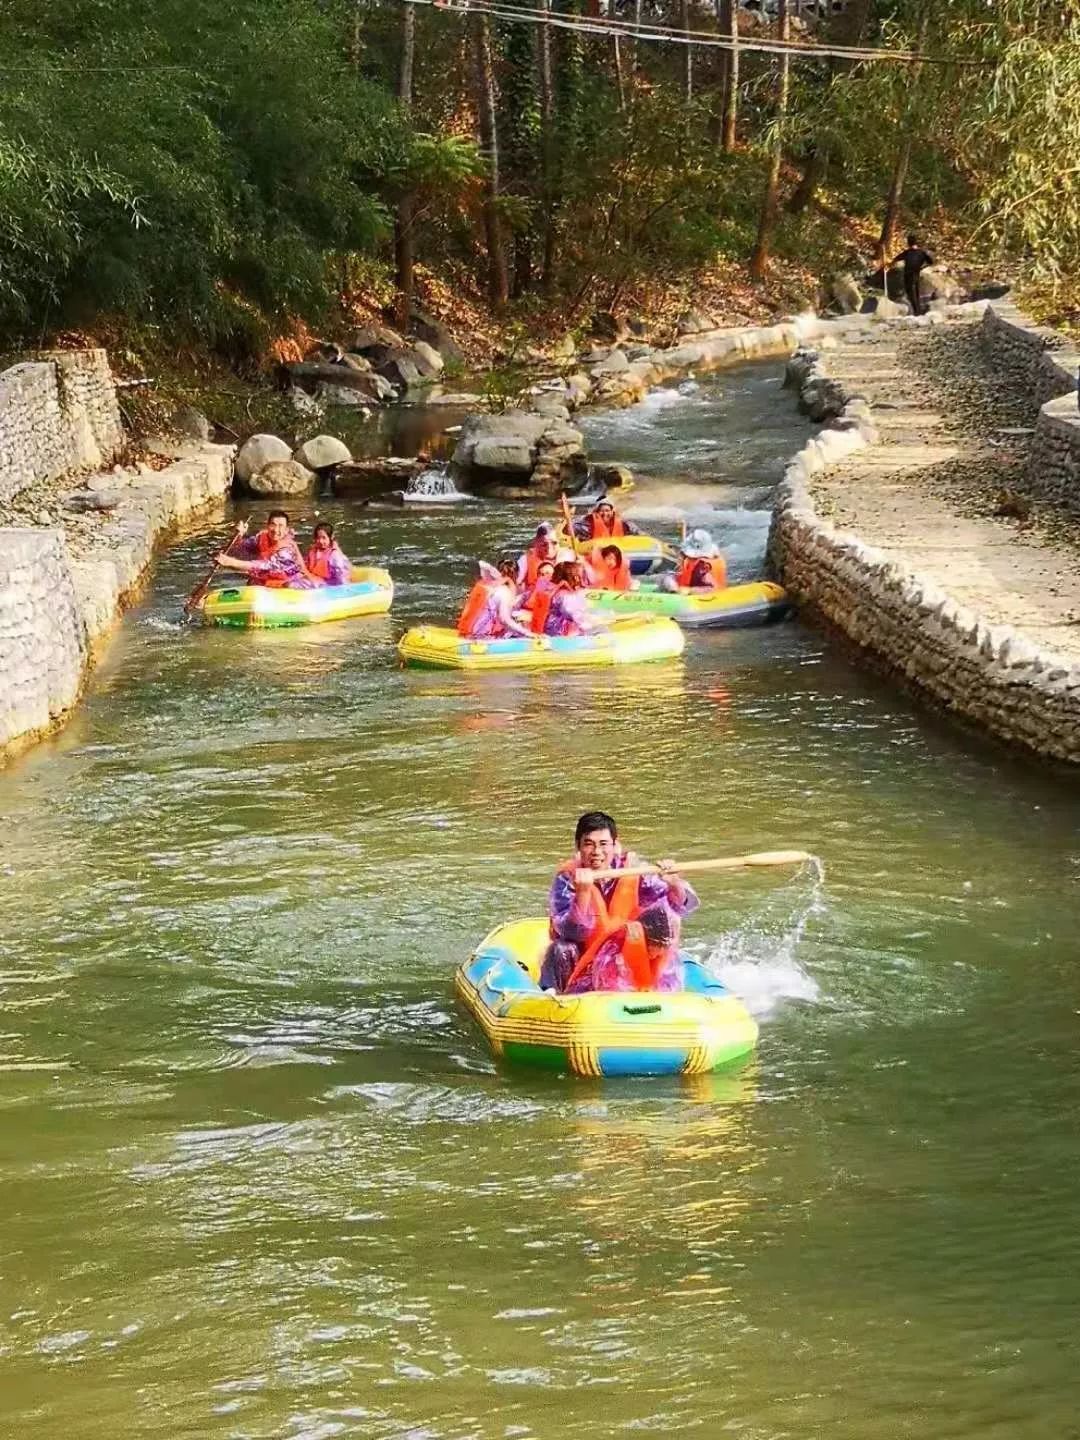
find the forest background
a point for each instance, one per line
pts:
(216, 182)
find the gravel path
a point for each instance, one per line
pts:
(945, 489)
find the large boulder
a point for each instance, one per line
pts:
(400, 368)
(279, 480)
(361, 479)
(258, 451)
(844, 294)
(191, 423)
(606, 325)
(519, 448)
(935, 283)
(564, 350)
(695, 322)
(368, 336)
(613, 363)
(426, 327)
(322, 452)
(427, 359)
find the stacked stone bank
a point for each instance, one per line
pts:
(65, 579)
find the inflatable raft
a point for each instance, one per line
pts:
(645, 553)
(264, 607)
(631, 642)
(753, 604)
(611, 1032)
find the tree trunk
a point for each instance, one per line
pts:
(484, 76)
(730, 26)
(847, 28)
(403, 219)
(770, 200)
(637, 26)
(356, 44)
(811, 177)
(688, 68)
(547, 152)
(620, 84)
(891, 223)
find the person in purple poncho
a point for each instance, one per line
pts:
(272, 557)
(582, 910)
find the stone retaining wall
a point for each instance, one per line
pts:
(57, 416)
(992, 676)
(58, 603)
(1046, 369)
(42, 635)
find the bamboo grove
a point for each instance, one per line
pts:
(216, 169)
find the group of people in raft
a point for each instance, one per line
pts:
(614, 933)
(543, 591)
(273, 556)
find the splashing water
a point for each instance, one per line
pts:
(757, 960)
(435, 481)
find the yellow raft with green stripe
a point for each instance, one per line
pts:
(265, 607)
(611, 1032)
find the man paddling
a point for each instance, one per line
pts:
(584, 912)
(271, 557)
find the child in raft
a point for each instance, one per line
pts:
(488, 612)
(564, 610)
(271, 557)
(701, 565)
(609, 569)
(325, 558)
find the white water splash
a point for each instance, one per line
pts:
(757, 961)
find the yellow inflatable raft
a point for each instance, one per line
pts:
(644, 553)
(371, 592)
(611, 1032)
(630, 642)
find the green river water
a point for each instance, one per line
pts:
(258, 1176)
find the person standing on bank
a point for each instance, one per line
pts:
(914, 260)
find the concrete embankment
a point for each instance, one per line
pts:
(923, 523)
(77, 530)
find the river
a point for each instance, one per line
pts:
(259, 1178)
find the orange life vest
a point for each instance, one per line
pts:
(608, 915)
(533, 561)
(606, 578)
(476, 602)
(540, 606)
(632, 948)
(717, 569)
(599, 531)
(318, 563)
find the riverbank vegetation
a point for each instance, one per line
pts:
(234, 175)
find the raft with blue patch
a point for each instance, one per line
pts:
(266, 607)
(600, 1033)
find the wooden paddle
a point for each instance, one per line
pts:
(568, 518)
(759, 861)
(199, 593)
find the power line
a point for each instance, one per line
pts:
(667, 34)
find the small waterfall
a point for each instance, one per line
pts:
(433, 484)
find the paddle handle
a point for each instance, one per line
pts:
(196, 596)
(761, 860)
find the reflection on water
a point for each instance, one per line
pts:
(261, 1178)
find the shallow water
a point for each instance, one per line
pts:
(259, 1178)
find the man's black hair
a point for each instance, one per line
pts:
(594, 820)
(274, 515)
(913, 240)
